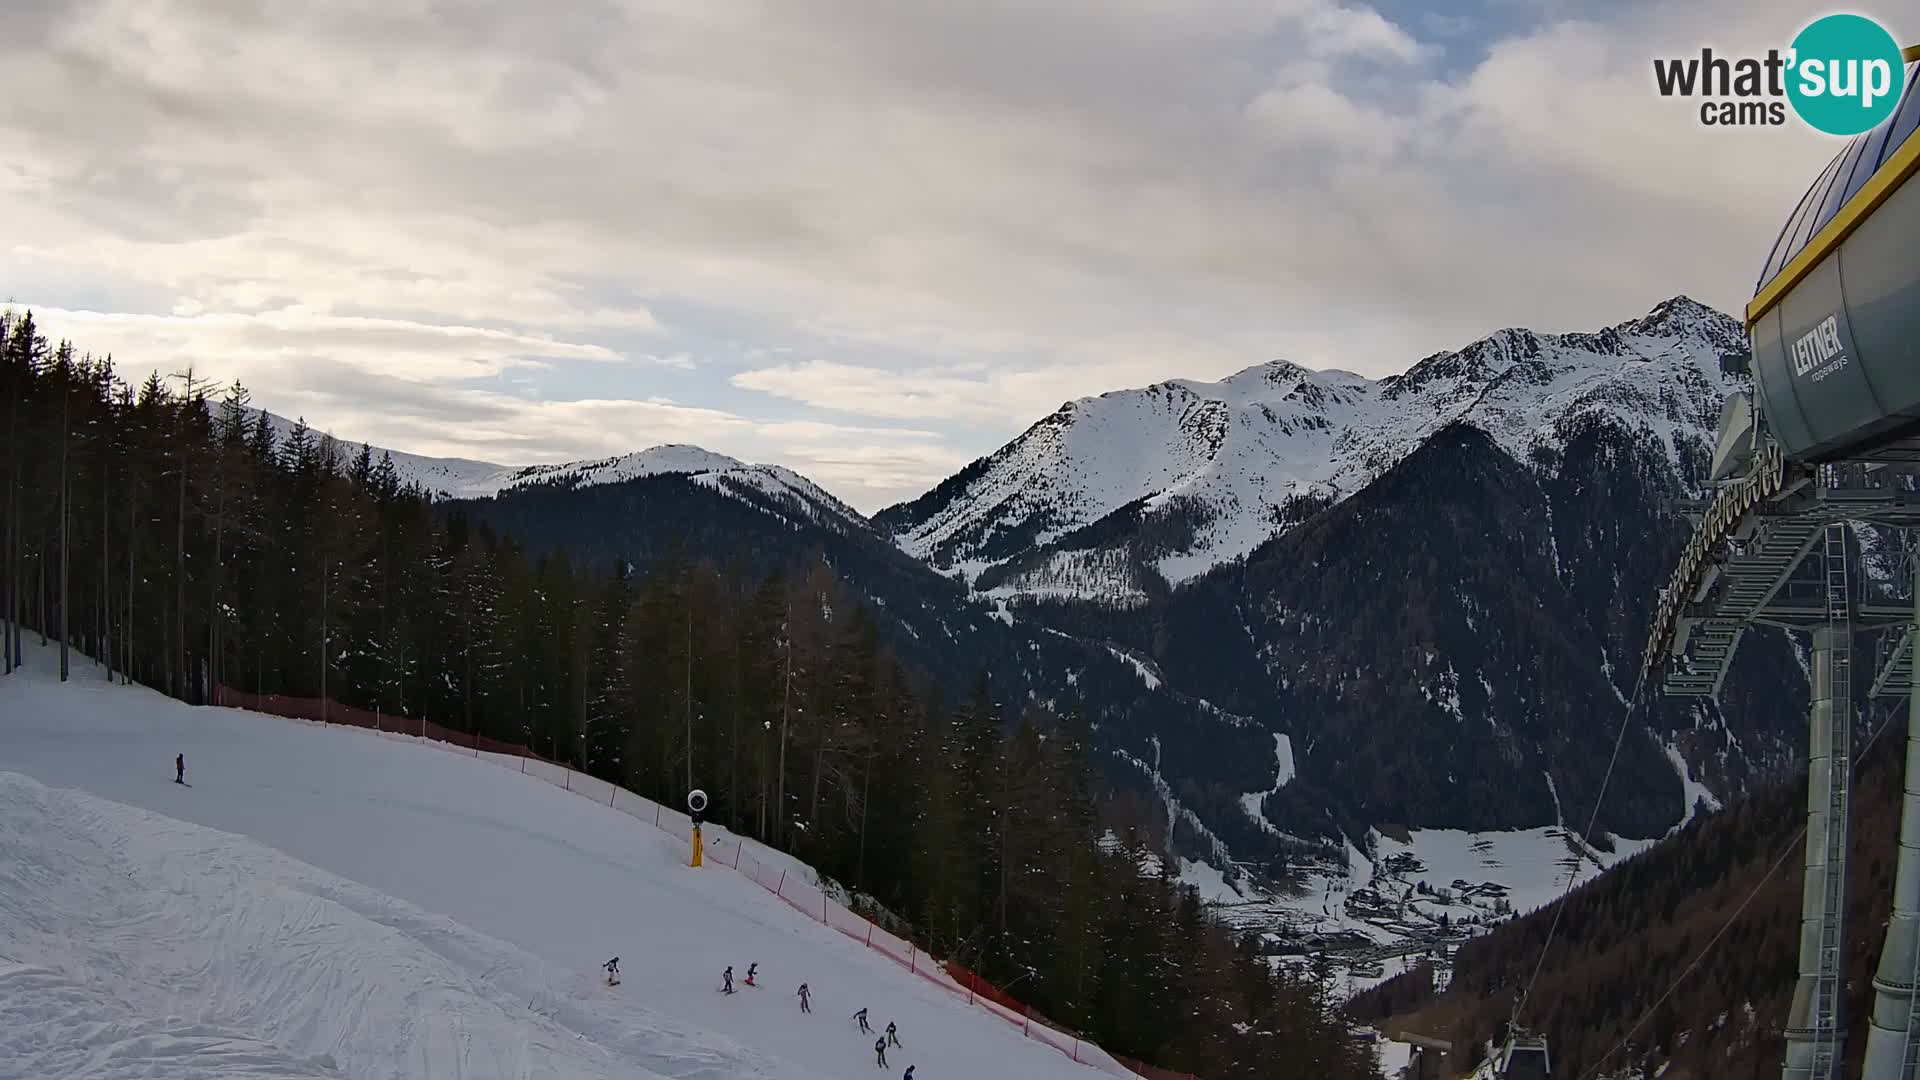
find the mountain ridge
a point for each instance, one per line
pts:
(1239, 453)
(1383, 609)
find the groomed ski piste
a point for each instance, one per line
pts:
(325, 902)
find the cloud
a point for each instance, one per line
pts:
(386, 382)
(275, 342)
(863, 212)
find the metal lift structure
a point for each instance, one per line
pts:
(1830, 436)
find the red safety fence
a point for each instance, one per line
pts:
(328, 711)
(771, 871)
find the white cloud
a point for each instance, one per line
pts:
(954, 216)
(268, 342)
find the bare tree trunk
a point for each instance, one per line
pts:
(179, 649)
(786, 700)
(66, 438)
(733, 746)
(689, 682)
(866, 785)
(8, 586)
(213, 589)
(126, 636)
(813, 800)
(106, 570)
(326, 566)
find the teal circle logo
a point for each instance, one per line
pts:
(1845, 74)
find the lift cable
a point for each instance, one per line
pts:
(1778, 861)
(1573, 875)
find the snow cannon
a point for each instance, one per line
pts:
(696, 806)
(1835, 318)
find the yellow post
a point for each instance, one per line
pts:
(696, 845)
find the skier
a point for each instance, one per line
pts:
(880, 1052)
(751, 968)
(805, 1006)
(893, 1034)
(613, 971)
(180, 769)
(728, 976)
(908, 1075)
(862, 1017)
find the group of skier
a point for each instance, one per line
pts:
(891, 1037)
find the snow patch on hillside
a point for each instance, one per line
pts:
(1212, 885)
(1531, 866)
(1146, 674)
(1284, 773)
(1692, 790)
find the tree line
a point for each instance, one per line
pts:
(171, 535)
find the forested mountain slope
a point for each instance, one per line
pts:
(1627, 939)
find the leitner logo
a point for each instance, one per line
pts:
(1843, 75)
(1818, 347)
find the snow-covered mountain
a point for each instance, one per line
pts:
(1115, 495)
(1425, 587)
(459, 478)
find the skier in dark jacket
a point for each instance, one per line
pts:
(862, 1017)
(613, 971)
(880, 1052)
(893, 1034)
(908, 1075)
(728, 976)
(805, 1006)
(751, 968)
(180, 768)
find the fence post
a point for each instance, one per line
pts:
(1076, 1049)
(523, 763)
(869, 933)
(376, 718)
(1028, 1029)
(825, 918)
(913, 957)
(738, 846)
(782, 885)
(569, 784)
(656, 815)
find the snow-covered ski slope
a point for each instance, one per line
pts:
(326, 902)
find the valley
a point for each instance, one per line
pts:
(1197, 566)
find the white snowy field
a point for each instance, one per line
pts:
(383, 909)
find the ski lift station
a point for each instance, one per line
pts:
(1828, 440)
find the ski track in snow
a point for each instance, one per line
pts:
(328, 903)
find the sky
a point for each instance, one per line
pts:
(867, 239)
